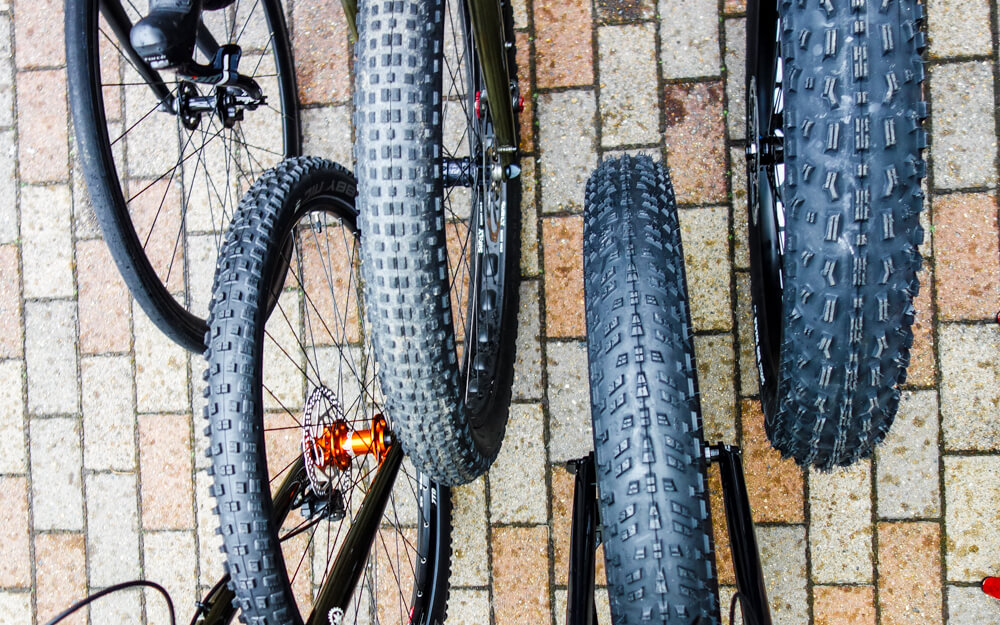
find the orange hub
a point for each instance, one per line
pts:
(340, 444)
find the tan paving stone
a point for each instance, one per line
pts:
(775, 486)
(47, 242)
(56, 480)
(909, 579)
(520, 574)
(156, 217)
(84, 219)
(923, 367)
(972, 515)
(530, 265)
(11, 332)
(731, 7)
(695, 140)
(567, 145)
(908, 460)
(840, 533)
(689, 38)
(210, 559)
(108, 414)
(166, 472)
(720, 531)
(326, 132)
(735, 56)
(469, 565)
(716, 370)
(321, 52)
(112, 528)
(104, 300)
(563, 32)
(964, 142)
(528, 351)
(570, 432)
(13, 458)
(61, 574)
(844, 605)
(8, 181)
(601, 602)
(749, 382)
(38, 23)
(468, 607)
(50, 356)
(564, 306)
(517, 479)
(562, 522)
(969, 606)
(738, 199)
(783, 556)
(969, 393)
(705, 232)
(6, 77)
(119, 608)
(169, 558)
(15, 555)
(958, 28)
(627, 63)
(966, 256)
(526, 117)
(161, 380)
(15, 607)
(43, 141)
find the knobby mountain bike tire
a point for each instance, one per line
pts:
(651, 465)
(834, 167)
(163, 173)
(352, 533)
(440, 221)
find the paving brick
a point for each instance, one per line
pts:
(6, 76)
(156, 216)
(564, 306)
(47, 241)
(84, 219)
(775, 486)
(966, 256)
(37, 24)
(749, 383)
(969, 606)
(43, 140)
(909, 579)
(201, 255)
(104, 301)
(601, 603)
(844, 605)
(783, 557)
(731, 7)
(61, 574)
(627, 62)
(965, 145)
(112, 528)
(517, 479)
(738, 199)
(723, 554)
(165, 462)
(210, 558)
(907, 461)
(151, 146)
(969, 393)
(958, 28)
(923, 368)
(520, 574)
(530, 265)
(528, 351)
(570, 432)
(284, 381)
(56, 481)
(840, 533)
(12, 454)
(562, 522)
(563, 35)
(120, 608)
(520, 11)
(716, 368)
(972, 514)
(108, 413)
(321, 52)
(11, 333)
(326, 132)
(8, 181)
(469, 564)
(735, 55)
(689, 39)
(567, 144)
(468, 607)
(695, 140)
(161, 380)
(624, 11)
(526, 117)
(169, 558)
(705, 232)
(15, 607)
(15, 555)
(50, 356)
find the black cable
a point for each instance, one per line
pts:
(110, 589)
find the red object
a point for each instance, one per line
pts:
(479, 111)
(520, 107)
(991, 586)
(998, 317)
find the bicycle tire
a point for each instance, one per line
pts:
(293, 248)
(161, 191)
(834, 218)
(650, 460)
(440, 268)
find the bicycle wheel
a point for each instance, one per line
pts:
(651, 465)
(440, 221)
(166, 159)
(834, 165)
(352, 533)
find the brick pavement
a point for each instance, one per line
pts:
(98, 479)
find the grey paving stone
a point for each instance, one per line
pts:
(969, 391)
(468, 607)
(749, 380)
(840, 534)
(517, 478)
(972, 516)
(6, 73)
(958, 28)
(736, 50)
(705, 232)
(15, 607)
(50, 357)
(201, 256)
(47, 241)
(468, 535)
(120, 608)
(567, 144)
(112, 528)
(528, 354)
(56, 482)
(326, 132)
(84, 220)
(716, 370)
(908, 460)
(570, 432)
(783, 557)
(530, 265)
(965, 143)
(170, 559)
(210, 559)
(108, 413)
(12, 456)
(627, 64)
(738, 177)
(601, 602)
(689, 38)
(969, 606)
(161, 380)
(520, 11)
(8, 188)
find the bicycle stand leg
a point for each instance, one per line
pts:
(580, 606)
